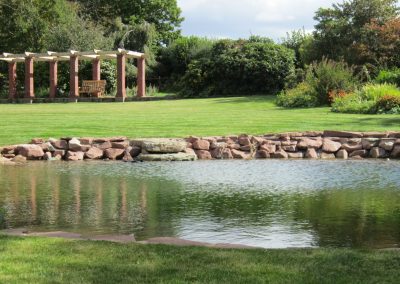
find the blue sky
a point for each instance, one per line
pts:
(242, 18)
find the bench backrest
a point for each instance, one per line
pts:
(91, 86)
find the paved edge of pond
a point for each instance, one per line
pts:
(122, 239)
(290, 145)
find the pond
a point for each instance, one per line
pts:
(271, 204)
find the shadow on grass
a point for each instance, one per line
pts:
(248, 99)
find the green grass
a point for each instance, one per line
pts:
(176, 118)
(39, 260)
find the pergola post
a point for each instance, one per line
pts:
(29, 87)
(96, 72)
(12, 80)
(73, 78)
(141, 77)
(53, 79)
(121, 74)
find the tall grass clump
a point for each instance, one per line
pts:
(371, 98)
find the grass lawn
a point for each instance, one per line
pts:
(39, 260)
(176, 118)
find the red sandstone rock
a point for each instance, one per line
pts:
(59, 144)
(8, 149)
(30, 151)
(201, 145)
(396, 152)
(86, 140)
(375, 134)
(127, 156)
(257, 140)
(60, 153)
(342, 154)
(75, 145)
(330, 146)
(120, 145)
(217, 153)
(9, 156)
(344, 134)
(280, 154)
(94, 153)
(117, 139)
(74, 156)
(244, 140)
(19, 159)
(306, 143)
(291, 148)
(351, 147)
(270, 148)
(296, 155)
(311, 154)
(361, 153)
(393, 134)
(234, 146)
(227, 154)
(369, 143)
(114, 154)
(47, 156)
(203, 155)
(387, 144)
(327, 156)
(262, 154)
(246, 148)
(377, 152)
(239, 154)
(104, 145)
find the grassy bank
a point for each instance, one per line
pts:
(221, 116)
(39, 260)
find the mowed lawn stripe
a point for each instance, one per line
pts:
(176, 118)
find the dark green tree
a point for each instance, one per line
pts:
(165, 15)
(341, 27)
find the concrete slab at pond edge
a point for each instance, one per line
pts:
(290, 145)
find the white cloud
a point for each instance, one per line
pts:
(241, 18)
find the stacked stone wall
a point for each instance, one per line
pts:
(292, 145)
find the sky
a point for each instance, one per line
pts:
(243, 18)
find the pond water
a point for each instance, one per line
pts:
(271, 204)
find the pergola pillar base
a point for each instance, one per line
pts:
(73, 100)
(27, 100)
(120, 99)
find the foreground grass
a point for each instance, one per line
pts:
(177, 118)
(39, 260)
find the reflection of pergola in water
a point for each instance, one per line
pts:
(73, 57)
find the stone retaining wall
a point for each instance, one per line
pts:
(293, 145)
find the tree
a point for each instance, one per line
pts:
(340, 28)
(165, 15)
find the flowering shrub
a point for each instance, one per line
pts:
(388, 104)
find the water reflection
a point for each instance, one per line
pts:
(261, 203)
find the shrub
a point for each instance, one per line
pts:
(388, 104)
(301, 96)
(389, 76)
(372, 98)
(238, 67)
(327, 76)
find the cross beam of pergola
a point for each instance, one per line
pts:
(73, 57)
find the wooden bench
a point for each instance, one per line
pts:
(97, 88)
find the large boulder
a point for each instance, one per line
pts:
(342, 154)
(203, 155)
(387, 144)
(330, 146)
(311, 154)
(74, 156)
(237, 154)
(30, 151)
(161, 145)
(378, 152)
(306, 143)
(168, 157)
(75, 145)
(94, 153)
(201, 145)
(114, 154)
(280, 154)
(369, 143)
(59, 144)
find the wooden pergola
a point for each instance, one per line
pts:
(28, 58)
